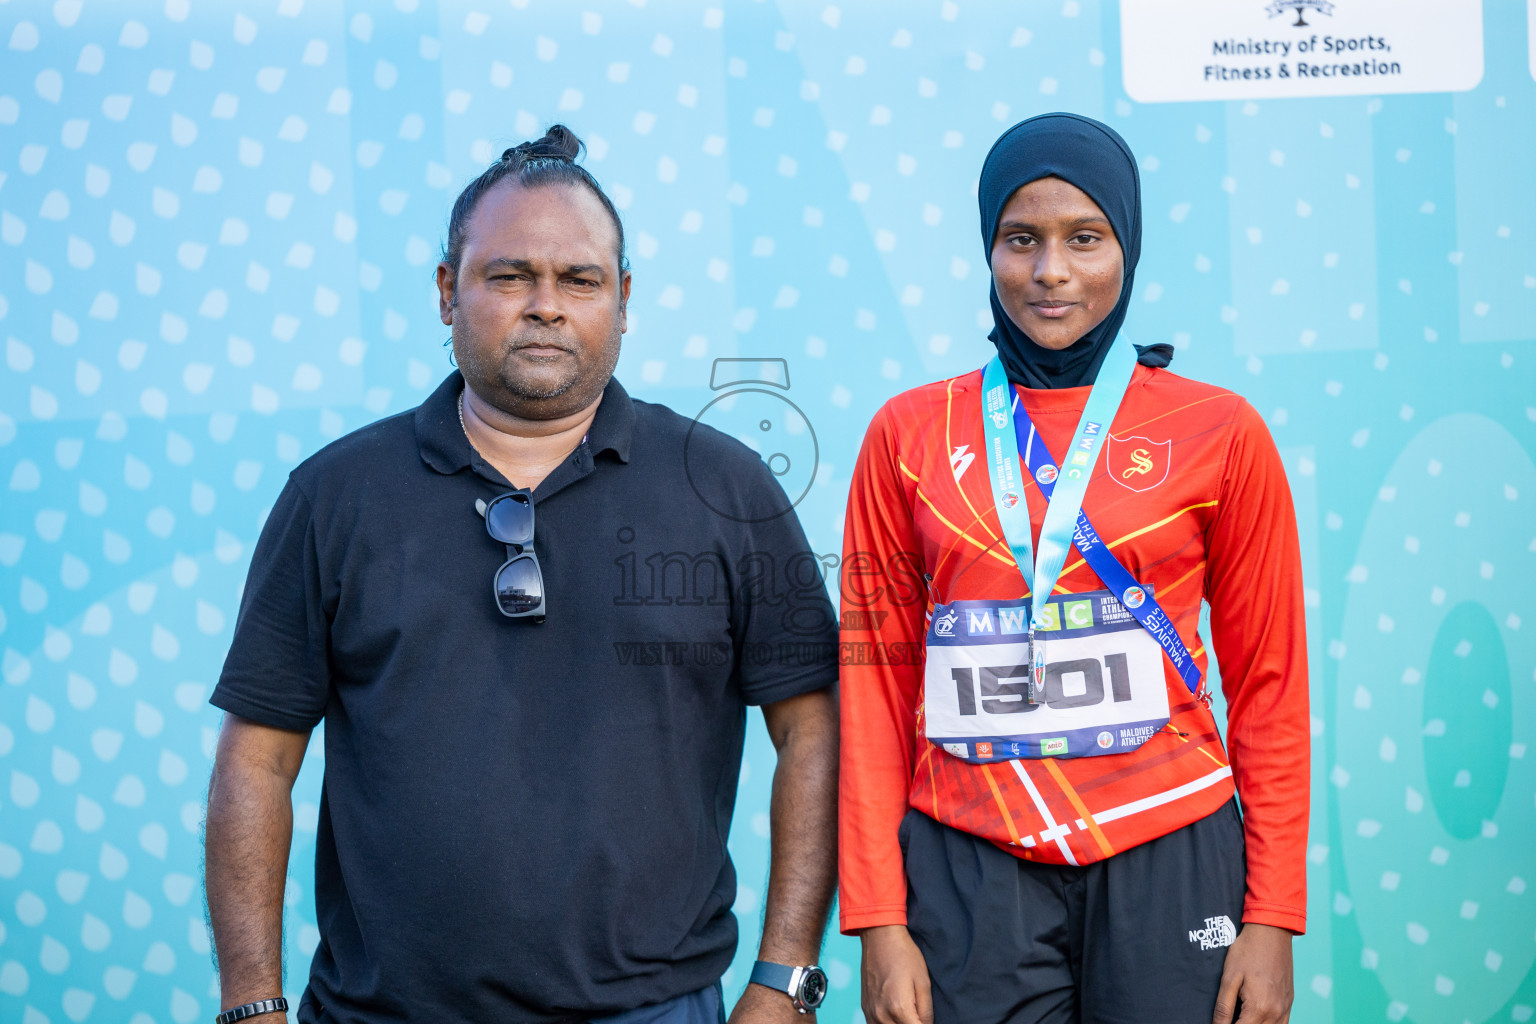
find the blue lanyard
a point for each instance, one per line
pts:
(1064, 491)
(1041, 570)
(1137, 599)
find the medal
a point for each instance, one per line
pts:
(1036, 669)
(1065, 525)
(1041, 565)
(1108, 641)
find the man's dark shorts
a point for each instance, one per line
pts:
(1137, 938)
(706, 1006)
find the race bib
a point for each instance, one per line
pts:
(1103, 686)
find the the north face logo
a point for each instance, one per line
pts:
(1217, 933)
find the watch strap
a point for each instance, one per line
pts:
(261, 1006)
(775, 976)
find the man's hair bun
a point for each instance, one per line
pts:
(559, 143)
(550, 160)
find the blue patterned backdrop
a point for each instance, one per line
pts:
(218, 225)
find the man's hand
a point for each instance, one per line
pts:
(895, 978)
(1256, 983)
(760, 1005)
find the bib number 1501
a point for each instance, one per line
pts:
(999, 697)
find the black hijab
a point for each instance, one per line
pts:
(1092, 156)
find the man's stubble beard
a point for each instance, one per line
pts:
(496, 378)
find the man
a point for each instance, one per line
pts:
(524, 815)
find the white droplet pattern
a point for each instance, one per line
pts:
(221, 222)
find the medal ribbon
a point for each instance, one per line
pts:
(1041, 569)
(1116, 577)
(1065, 523)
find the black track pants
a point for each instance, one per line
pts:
(1137, 938)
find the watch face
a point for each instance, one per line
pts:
(813, 988)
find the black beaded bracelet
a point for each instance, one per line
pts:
(278, 1005)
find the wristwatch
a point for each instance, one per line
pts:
(805, 986)
(256, 1009)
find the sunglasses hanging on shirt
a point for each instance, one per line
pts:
(518, 584)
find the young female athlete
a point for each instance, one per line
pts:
(1037, 813)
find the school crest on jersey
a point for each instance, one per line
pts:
(1138, 463)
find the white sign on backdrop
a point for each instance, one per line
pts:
(1530, 22)
(1178, 50)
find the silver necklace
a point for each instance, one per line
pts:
(461, 421)
(472, 440)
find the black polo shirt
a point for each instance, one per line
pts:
(525, 821)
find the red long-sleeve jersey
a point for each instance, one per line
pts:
(1190, 495)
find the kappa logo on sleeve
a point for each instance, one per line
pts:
(1218, 932)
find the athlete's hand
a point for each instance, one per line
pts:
(1256, 984)
(759, 1005)
(895, 978)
